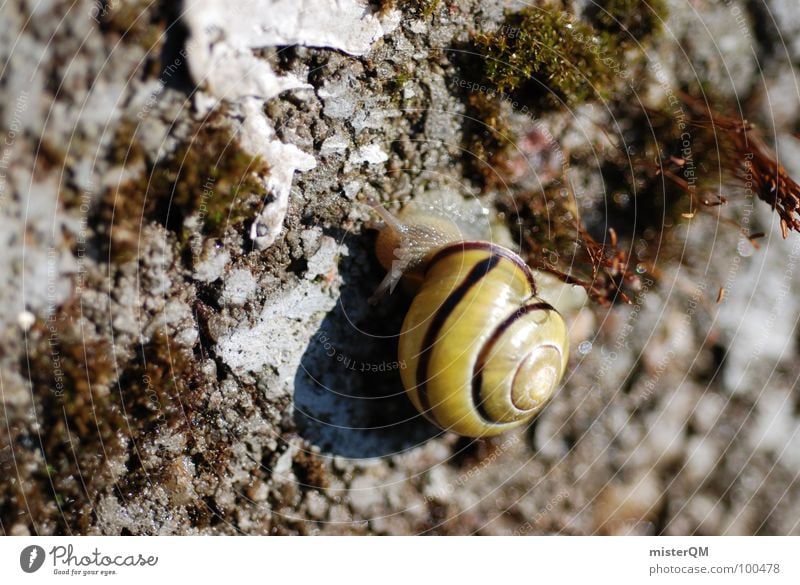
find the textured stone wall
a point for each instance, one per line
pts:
(187, 344)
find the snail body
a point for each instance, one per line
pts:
(483, 352)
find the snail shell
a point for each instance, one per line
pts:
(483, 353)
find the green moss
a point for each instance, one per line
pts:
(538, 59)
(542, 58)
(395, 86)
(212, 175)
(422, 8)
(545, 55)
(208, 174)
(629, 20)
(487, 138)
(426, 7)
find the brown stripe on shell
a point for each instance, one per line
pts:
(494, 249)
(478, 272)
(477, 373)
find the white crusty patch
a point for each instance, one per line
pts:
(346, 25)
(229, 72)
(371, 154)
(220, 54)
(257, 137)
(244, 349)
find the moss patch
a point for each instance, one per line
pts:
(208, 174)
(487, 138)
(94, 404)
(544, 58)
(629, 20)
(142, 21)
(212, 175)
(548, 56)
(139, 22)
(421, 8)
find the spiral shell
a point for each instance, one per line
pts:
(483, 352)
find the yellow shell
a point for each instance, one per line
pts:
(483, 352)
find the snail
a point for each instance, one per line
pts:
(483, 352)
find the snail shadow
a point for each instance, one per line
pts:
(348, 399)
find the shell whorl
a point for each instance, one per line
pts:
(484, 353)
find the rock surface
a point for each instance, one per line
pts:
(187, 345)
